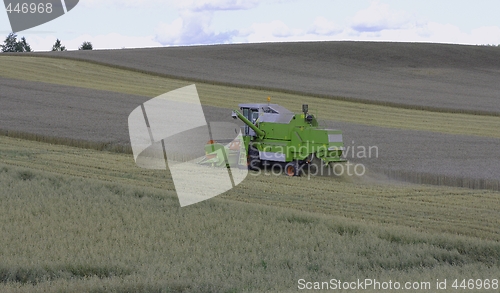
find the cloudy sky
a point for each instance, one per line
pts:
(152, 23)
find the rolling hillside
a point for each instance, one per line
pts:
(78, 215)
(77, 101)
(429, 76)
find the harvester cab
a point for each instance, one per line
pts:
(274, 136)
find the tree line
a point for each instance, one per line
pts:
(12, 44)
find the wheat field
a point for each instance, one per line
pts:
(436, 77)
(74, 221)
(78, 215)
(372, 197)
(99, 77)
(91, 103)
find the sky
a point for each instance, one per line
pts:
(115, 24)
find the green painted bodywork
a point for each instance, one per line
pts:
(297, 140)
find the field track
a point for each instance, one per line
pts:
(439, 77)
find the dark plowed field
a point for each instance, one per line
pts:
(430, 76)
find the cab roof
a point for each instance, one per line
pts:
(270, 112)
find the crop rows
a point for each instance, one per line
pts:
(61, 233)
(440, 179)
(60, 108)
(436, 77)
(90, 76)
(88, 219)
(371, 197)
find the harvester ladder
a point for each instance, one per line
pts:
(243, 155)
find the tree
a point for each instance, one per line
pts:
(23, 46)
(86, 46)
(58, 46)
(12, 45)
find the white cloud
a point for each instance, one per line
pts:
(378, 21)
(115, 4)
(274, 31)
(277, 31)
(193, 25)
(325, 27)
(192, 5)
(431, 32)
(379, 16)
(192, 28)
(218, 5)
(169, 33)
(447, 33)
(486, 35)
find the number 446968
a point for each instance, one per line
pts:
(472, 284)
(30, 8)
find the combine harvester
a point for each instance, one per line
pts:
(275, 137)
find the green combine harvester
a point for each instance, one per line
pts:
(275, 137)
